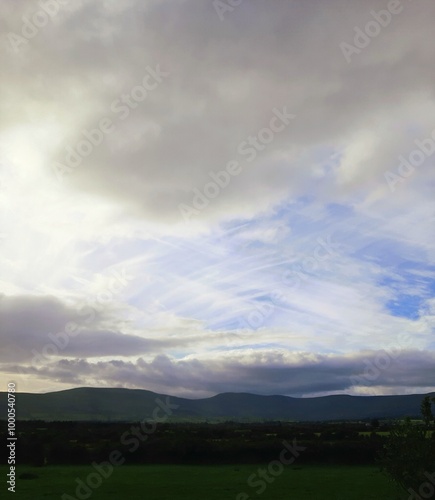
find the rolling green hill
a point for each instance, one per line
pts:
(132, 405)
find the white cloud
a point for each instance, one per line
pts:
(244, 273)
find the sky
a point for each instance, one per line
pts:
(214, 196)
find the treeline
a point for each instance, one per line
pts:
(55, 443)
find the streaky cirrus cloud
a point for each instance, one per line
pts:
(216, 199)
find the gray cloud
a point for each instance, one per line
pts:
(26, 321)
(38, 328)
(225, 79)
(265, 373)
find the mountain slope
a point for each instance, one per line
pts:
(135, 404)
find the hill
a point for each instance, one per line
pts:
(97, 404)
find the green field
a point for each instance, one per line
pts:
(170, 482)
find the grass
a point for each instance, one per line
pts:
(170, 482)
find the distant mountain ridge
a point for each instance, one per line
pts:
(107, 404)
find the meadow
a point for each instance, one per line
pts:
(179, 482)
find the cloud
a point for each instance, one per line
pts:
(39, 329)
(225, 78)
(114, 114)
(262, 372)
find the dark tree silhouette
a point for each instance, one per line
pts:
(409, 454)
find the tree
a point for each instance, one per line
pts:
(409, 453)
(426, 410)
(374, 423)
